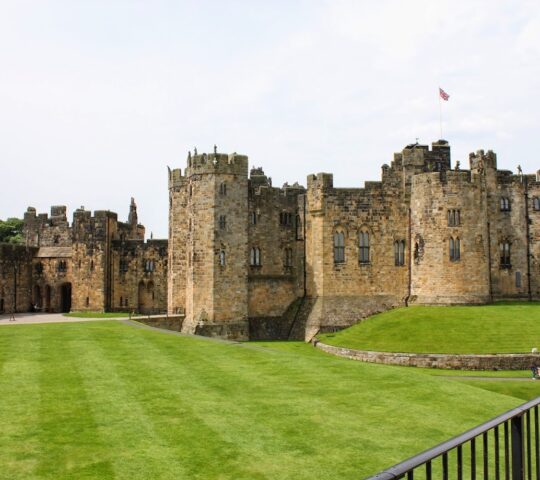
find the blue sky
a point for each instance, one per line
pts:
(98, 97)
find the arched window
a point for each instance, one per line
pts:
(504, 248)
(536, 203)
(454, 218)
(121, 301)
(222, 222)
(399, 253)
(339, 247)
(363, 239)
(255, 257)
(223, 189)
(285, 219)
(455, 249)
(222, 258)
(518, 279)
(253, 218)
(505, 204)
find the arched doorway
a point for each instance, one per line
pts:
(146, 297)
(65, 297)
(37, 301)
(47, 298)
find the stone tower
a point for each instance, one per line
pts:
(208, 274)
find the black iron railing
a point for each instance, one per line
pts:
(506, 447)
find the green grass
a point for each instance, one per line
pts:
(105, 400)
(498, 328)
(518, 389)
(98, 314)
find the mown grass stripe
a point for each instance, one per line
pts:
(70, 443)
(19, 402)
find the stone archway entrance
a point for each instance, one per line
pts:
(47, 306)
(37, 301)
(65, 297)
(146, 297)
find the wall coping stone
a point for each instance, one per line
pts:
(497, 361)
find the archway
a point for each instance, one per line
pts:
(65, 297)
(37, 301)
(47, 298)
(146, 297)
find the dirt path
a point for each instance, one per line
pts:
(33, 318)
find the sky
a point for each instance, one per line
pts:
(98, 97)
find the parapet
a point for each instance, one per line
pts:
(422, 158)
(175, 177)
(217, 163)
(320, 180)
(479, 161)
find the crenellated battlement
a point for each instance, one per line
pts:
(323, 181)
(480, 161)
(217, 163)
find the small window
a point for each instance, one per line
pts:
(505, 204)
(126, 303)
(222, 222)
(123, 266)
(288, 257)
(399, 253)
(285, 219)
(62, 266)
(87, 301)
(91, 265)
(56, 239)
(363, 240)
(255, 257)
(149, 266)
(339, 247)
(536, 203)
(504, 248)
(39, 268)
(455, 249)
(121, 302)
(223, 189)
(253, 218)
(454, 218)
(222, 258)
(518, 279)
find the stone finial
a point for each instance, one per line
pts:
(189, 155)
(195, 151)
(215, 149)
(457, 166)
(520, 171)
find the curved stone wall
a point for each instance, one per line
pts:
(506, 361)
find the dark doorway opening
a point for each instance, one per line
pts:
(47, 298)
(37, 300)
(65, 297)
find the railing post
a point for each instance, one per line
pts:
(517, 448)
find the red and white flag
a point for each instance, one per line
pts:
(443, 94)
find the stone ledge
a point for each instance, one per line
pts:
(502, 361)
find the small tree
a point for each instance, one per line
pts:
(11, 230)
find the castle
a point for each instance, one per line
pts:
(247, 260)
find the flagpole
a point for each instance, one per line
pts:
(440, 112)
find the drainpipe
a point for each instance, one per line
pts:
(489, 261)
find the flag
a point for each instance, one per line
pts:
(443, 94)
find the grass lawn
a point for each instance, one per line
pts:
(105, 400)
(98, 314)
(498, 328)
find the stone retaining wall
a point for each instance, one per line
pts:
(507, 361)
(168, 322)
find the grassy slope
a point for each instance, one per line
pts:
(105, 400)
(499, 328)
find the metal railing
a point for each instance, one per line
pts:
(506, 447)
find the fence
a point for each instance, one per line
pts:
(506, 447)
